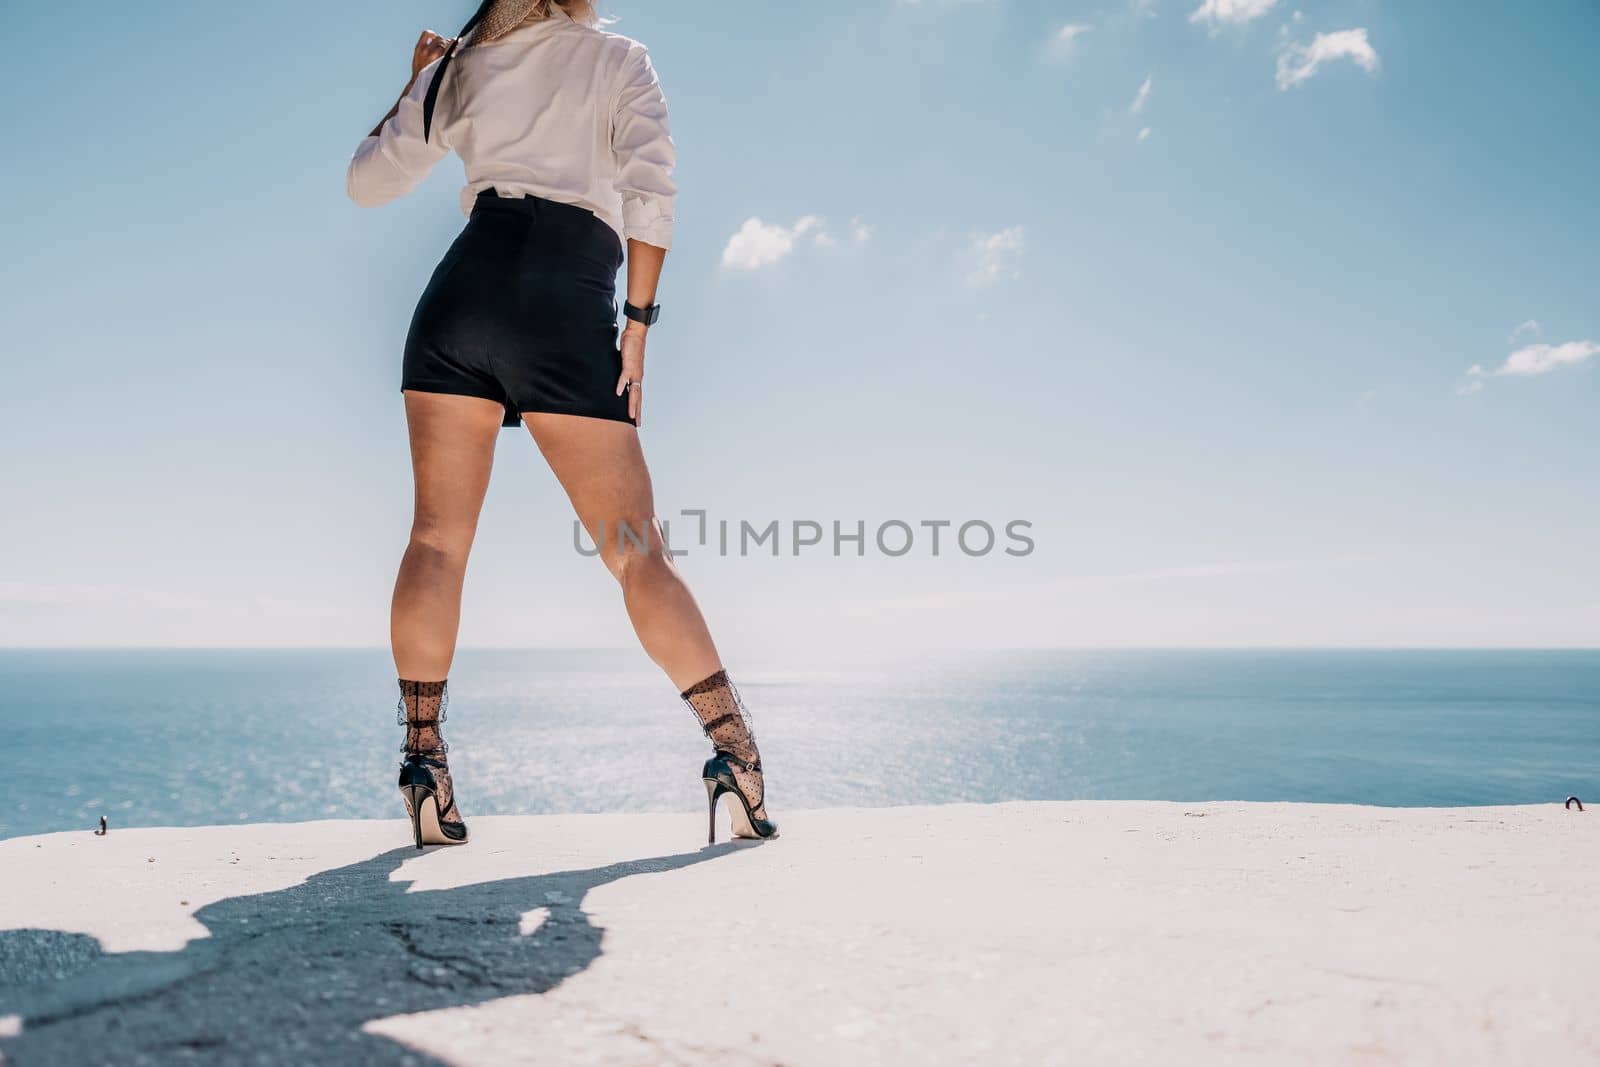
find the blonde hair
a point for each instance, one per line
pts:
(581, 11)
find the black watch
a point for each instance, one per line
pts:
(644, 316)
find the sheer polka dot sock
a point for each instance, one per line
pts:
(423, 706)
(726, 721)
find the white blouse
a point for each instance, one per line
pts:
(554, 109)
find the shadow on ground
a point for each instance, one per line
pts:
(291, 976)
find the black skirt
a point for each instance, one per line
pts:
(522, 310)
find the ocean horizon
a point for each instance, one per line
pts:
(188, 737)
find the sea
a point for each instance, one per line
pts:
(184, 737)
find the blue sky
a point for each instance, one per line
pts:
(929, 266)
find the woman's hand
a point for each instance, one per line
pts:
(632, 367)
(430, 46)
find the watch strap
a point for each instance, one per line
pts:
(645, 316)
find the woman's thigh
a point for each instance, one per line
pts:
(452, 454)
(600, 464)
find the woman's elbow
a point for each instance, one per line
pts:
(648, 219)
(365, 193)
(373, 179)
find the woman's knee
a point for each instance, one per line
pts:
(635, 552)
(440, 542)
(638, 570)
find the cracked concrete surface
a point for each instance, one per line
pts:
(1036, 933)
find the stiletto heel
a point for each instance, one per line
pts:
(713, 793)
(414, 796)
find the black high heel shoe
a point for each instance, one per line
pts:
(420, 790)
(424, 774)
(718, 777)
(735, 763)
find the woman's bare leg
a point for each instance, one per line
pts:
(601, 466)
(452, 452)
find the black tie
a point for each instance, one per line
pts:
(444, 65)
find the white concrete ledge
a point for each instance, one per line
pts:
(1016, 933)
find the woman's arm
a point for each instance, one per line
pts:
(642, 140)
(644, 275)
(395, 157)
(429, 47)
(644, 272)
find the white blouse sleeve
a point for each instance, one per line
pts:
(642, 141)
(391, 164)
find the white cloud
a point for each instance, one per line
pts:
(1140, 98)
(1542, 358)
(1064, 42)
(757, 244)
(1531, 360)
(1071, 32)
(860, 232)
(760, 244)
(1529, 328)
(1144, 134)
(1217, 12)
(996, 256)
(1300, 61)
